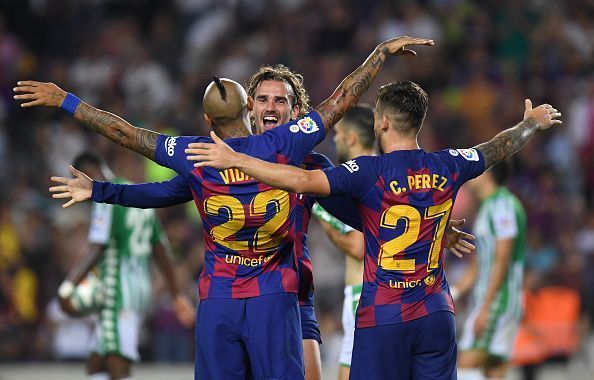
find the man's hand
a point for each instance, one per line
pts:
(545, 115)
(397, 46)
(39, 94)
(218, 155)
(456, 239)
(79, 188)
(184, 310)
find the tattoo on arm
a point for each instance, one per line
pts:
(118, 130)
(351, 88)
(508, 142)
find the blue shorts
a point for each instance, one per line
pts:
(424, 348)
(247, 338)
(310, 328)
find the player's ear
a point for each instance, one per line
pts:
(250, 103)
(295, 112)
(385, 123)
(351, 138)
(208, 120)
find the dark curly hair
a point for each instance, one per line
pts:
(281, 73)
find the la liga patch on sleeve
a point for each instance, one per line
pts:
(307, 125)
(468, 154)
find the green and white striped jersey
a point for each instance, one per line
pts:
(500, 216)
(129, 235)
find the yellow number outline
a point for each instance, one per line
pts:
(387, 258)
(265, 239)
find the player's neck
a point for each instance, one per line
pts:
(233, 129)
(399, 143)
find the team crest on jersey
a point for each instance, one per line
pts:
(454, 152)
(307, 125)
(430, 280)
(468, 154)
(170, 144)
(294, 128)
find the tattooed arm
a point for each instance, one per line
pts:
(109, 125)
(511, 140)
(354, 86)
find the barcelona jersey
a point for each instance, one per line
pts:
(247, 226)
(302, 215)
(404, 199)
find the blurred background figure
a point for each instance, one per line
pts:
(488, 57)
(495, 277)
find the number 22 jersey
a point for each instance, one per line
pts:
(247, 226)
(404, 199)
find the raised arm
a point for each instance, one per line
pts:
(113, 127)
(350, 90)
(511, 140)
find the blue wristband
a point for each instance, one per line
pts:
(70, 103)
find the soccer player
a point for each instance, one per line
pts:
(354, 137)
(249, 282)
(122, 241)
(405, 322)
(279, 96)
(490, 329)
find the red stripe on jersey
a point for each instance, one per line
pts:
(244, 287)
(223, 268)
(289, 278)
(366, 316)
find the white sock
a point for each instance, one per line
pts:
(470, 374)
(99, 376)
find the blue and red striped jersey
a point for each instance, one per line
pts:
(404, 199)
(248, 233)
(301, 223)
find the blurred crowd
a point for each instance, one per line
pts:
(150, 61)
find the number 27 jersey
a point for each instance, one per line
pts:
(248, 226)
(404, 199)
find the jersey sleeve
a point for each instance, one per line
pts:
(343, 210)
(100, 228)
(292, 141)
(467, 163)
(504, 220)
(144, 195)
(353, 178)
(170, 152)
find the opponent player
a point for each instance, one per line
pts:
(490, 330)
(122, 241)
(405, 322)
(250, 275)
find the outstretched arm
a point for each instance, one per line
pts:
(354, 86)
(144, 195)
(292, 179)
(511, 140)
(113, 127)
